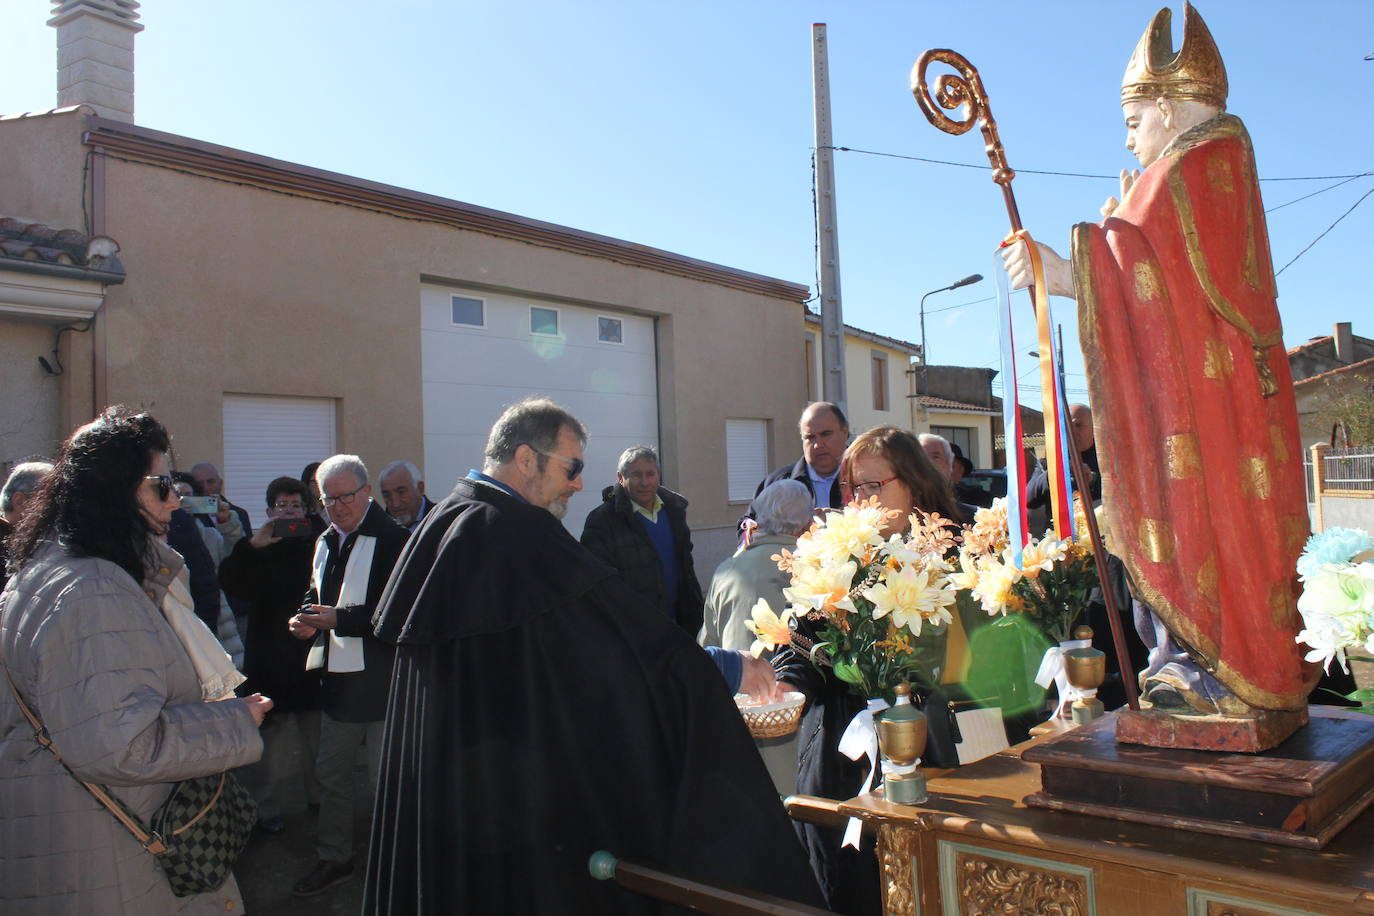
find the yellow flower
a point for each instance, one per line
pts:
(851, 533)
(989, 531)
(911, 596)
(994, 588)
(901, 551)
(823, 587)
(772, 630)
(1038, 556)
(930, 533)
(967, 576)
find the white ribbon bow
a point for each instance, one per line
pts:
(1053, 671)
(860, 738)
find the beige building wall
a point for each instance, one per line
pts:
(41, 167)
(981, 424)
(235, 287)
(863, 410)
(30, 407)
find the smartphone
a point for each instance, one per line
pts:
(200, 505)
(291, 528)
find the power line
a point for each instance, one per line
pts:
(1325, 231)
(1315, 193)
(950, 308)
(964, 165)
(988, 168)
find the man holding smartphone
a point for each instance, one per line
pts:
(352, 562)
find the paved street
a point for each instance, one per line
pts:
(272, 864)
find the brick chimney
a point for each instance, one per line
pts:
(95, 55)
(1345, 343)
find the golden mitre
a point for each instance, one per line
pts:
(1195, 72)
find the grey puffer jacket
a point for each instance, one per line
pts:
(98, 664)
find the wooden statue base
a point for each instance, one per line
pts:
(1261, 731)
(1300, 793)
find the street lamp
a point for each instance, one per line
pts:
(967, 281)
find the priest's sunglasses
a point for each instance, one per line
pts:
(575, 465)
(344, 498)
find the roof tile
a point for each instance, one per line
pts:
(930, 401)
(30, 241)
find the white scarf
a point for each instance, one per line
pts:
(345, 652)
(216, 671)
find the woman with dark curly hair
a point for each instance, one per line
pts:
(98, 639)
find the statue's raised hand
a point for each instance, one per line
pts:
(1128, 178)
(1058, 271)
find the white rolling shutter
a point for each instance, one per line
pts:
(270, 437)
(746, 457)
(470, 374)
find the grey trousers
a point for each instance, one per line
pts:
(290, 742)
(338, 757)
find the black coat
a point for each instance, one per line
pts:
(360, 696)
(539, 713)
(271, 581)
(799, 471)
(615, 535)
(183, 536)
(1038, 484)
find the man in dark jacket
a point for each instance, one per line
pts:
(824, 435)
(353, 560)
(540, 712)
(640, 528)
(271, 574)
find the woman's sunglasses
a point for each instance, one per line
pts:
(165, 486)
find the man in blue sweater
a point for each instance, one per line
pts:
(640, 528)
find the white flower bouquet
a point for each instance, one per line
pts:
(871, 596)
(1050, 586)
(1337, 602)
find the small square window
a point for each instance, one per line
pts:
(471, 312)
(610, 330)
(543, 321)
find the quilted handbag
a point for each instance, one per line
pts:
(202, 826)
(196, 835)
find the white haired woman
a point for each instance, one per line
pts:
(783, 510)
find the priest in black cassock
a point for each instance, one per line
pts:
(538, 713)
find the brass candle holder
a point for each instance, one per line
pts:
(902, 741)
(1086, 668)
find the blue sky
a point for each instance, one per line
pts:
(688, 126)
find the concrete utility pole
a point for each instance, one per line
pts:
(827, 236)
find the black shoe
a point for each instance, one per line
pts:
(322, 877)
(272, 825)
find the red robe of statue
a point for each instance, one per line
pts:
(1196, 426)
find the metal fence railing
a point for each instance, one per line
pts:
(1348, 469)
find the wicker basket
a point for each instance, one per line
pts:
(773, 720)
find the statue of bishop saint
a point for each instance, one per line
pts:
(1196, 425)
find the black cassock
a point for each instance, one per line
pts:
(538, 714)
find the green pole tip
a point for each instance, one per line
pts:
(602, 865)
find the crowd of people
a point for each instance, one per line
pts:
(159, 635)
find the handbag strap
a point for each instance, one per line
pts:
(149, 840)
